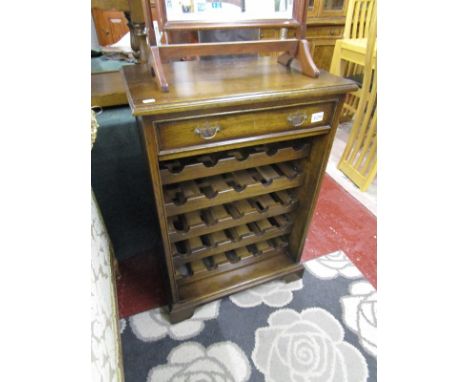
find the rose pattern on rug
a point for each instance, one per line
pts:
(275, 294)
(154, 324)
(306, 346)
(276, 332)
(190, 361)
(333, 265)
(360, 314)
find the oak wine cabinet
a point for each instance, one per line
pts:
(236, 150)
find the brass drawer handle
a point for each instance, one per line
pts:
(297, 119)
(207, 132)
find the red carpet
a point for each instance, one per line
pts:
(340, 222)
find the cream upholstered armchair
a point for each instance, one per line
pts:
(106, 354)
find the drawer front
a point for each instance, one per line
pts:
(201, 131)
(325, 31)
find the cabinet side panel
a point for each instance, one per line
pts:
(151, 147)
(314, 169)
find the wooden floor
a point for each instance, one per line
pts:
(368, 198)
(107, 89)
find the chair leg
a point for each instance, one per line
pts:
(335, 67)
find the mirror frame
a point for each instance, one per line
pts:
(296, 51)
(298, 18)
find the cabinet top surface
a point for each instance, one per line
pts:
(217, 84)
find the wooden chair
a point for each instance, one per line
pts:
(350, 51)
(358, 19)
(359, 159)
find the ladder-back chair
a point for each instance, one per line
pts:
(349, 53)
(359, 159)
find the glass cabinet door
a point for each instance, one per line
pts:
(333, 8)
(312, 8)
(333, 5)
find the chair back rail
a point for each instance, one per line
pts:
(358, 18)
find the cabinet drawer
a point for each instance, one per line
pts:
(202, 131)
(324, 31)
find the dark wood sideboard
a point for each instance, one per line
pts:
(236, 150)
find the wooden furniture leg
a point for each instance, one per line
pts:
(157, 70)
(305, 60)
(294, 276)
(134, 43)
(178, 313)
(336, 66)
(301, 61)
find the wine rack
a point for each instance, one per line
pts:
(232, 208)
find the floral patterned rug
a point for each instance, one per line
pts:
(320, 328)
